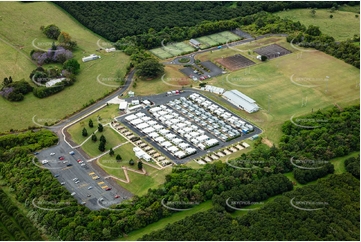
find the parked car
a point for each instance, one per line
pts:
(52, 154)
(90, 187)
(77, 182)
(73, 193)
(62, 183)
(116, 196)
(69, 165)
(108, 189)
(65, 161)
(82, 203)
(101, 199)
(61, 157)
(71, 153)
(44, 162)
(36, 153)
(56, 175)
(75, 179)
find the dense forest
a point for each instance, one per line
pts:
(116, 20)
(335, 216)
(183, 187)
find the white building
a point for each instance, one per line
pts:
(241, 101)
(211, 142)
(159, 139)
(190, 151)
(140, 154)
(172, 149)
(53, 82)
(110, 50)
(130, 117)
(136, 121)
(90, 58)
(123, 106)
(148, 130)
(142, 126)
(180, 154)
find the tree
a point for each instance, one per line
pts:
(101, 146)
(102, 139)
(91, 125)
(94, 138)
(263, 58)
(85, 132)
(118, 157)
(150, 68)
(333, 9)
(331, 16)
(313, 12)
(64, 40)
(72, 66)
(111, 152)
(140, 165)
(356, 15)
(131, 162)
(100, 127)
(51, 31)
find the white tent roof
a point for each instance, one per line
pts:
(142, 126)
(136, 121)
(146, 118)
(148, 130)
(130, 117)
(166, 144)
(180, 154)
(160, 139)
(241, 100)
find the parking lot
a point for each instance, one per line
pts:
(89, 186)
(186, 126)
(214, 70)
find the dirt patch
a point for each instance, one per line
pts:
(267, 142)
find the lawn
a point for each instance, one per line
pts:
(135, 235)
(339, 163)
(21, 17)
(106, 114)
(342, 26)
(112, 138)
(172, 80)
(274, 86)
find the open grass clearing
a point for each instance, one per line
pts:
(342, 26)
(291, 85)
(137, 234)
(21, 17)
(112, 139)
(339, 163)
(104, 115)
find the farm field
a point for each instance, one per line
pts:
(16, 46)
(137, 234)
(294, 84)
(342, 26)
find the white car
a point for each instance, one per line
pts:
(73, 193)
(62, 183)
(77, 182)
(44, 162)
(75, 179)
(52, 154)
(65, 161)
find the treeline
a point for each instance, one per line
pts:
(116, 20)
(352, 166)
(15, 222)
(335, 217)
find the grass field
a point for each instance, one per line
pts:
(112, 138)
(339, 163)
(342, 26)
(172, 80)
(270, 84)
(105, 115)
(15, 47)
(135, 235)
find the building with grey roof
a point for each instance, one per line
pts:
(241, 101)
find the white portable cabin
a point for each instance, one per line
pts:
(155, 109)
(174, 121)
(148, 130)
(146, 102)
(136, 121)
(162, 113)
(179, 154)
(181, 119)
(183, 146)
(146, 118)
(163, 107)
(201, 131)
(170, 136)
(194, 96)
(172, 149)
(194, 134)
(140, 154)
(190, 151)
(152, 123)
(177, 141)
(181, 125)
(166, 144)
(158, 127)
(168, 117)
(160, 139)
(212, 108)
(181, 132)
(164, 131)
(89, 58)
(142, 126)
(110, 49)
(202, 138)
(130, 117)
(201, 146)
(135, 102)
(153, 135)
(162, 119)
(187, 136)
(156, 115)
(123, 105)
(211, 142)
(168, 123)
(139, 115)
(187, 130)
(175, 127)
(194, 141)
(187, 123)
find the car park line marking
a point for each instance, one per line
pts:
(83, 185)
(66, 168)
(91, 173)
(100, 183)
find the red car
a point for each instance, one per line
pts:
(108, 189)
(78, 160)
(116, 196)
(61, 157)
